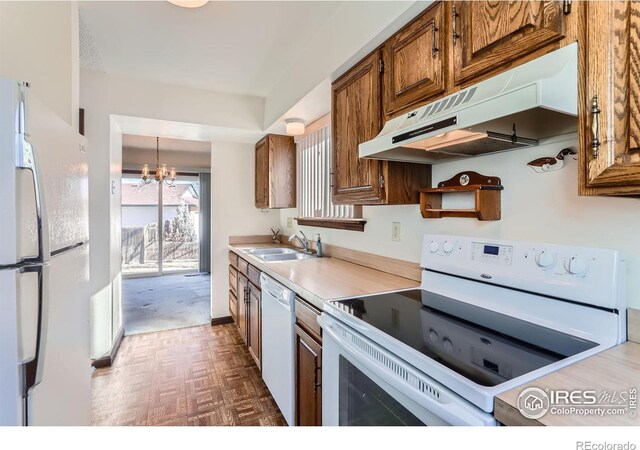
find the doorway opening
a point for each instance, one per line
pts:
(165, 237)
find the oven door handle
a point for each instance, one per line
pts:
(449, 410)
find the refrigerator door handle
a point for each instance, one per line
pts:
(31, 369)
(27, 160)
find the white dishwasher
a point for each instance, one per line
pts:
(278, 319)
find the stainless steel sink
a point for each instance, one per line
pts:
(272, 251)
(278, 254)
(285, 257)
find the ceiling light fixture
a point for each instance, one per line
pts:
(295, 127)
(189, 4)
(162, 174)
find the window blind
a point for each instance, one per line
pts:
(314, 178)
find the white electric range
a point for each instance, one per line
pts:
(490, 315)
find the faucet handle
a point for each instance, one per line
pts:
(303, 235)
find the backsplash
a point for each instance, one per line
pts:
(541, 207)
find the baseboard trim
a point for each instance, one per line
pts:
(221, 320)
(107, 360)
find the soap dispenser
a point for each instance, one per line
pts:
(318, 246)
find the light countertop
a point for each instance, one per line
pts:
(320, 279)
(614, 370)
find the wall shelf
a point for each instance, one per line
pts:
(487, 197)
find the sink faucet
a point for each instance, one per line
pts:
(303, 240)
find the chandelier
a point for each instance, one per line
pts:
(161, 174)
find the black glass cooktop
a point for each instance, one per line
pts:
(487, 347)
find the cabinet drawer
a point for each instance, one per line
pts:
(233, 280)
(233, 305)
(307, 318)
(254, 275)
(243, 266)
(233, 259)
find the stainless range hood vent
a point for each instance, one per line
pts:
(538, 99)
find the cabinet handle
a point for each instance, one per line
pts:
(316, 385)
(595, 115)
(434, 49)
(455, 25)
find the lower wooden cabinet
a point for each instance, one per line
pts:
(254, 325)
(308, 379)
(243, 313)
(245, 304)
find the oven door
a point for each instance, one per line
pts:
(365, 385)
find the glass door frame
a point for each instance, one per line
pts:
(127, 173)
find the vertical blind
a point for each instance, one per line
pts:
(314, 178)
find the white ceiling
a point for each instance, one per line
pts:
(136, 142)
(235, 47)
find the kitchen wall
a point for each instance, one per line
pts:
(232, 212)
(109, 100)
(537, 207)
(35, 35)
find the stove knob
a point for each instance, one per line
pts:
(448, 247)
(546, 259)
(434, 246)
(433, 336)
(448, 345)
(576, 265)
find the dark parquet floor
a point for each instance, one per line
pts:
(200, 375)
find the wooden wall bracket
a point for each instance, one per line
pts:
(487, 191)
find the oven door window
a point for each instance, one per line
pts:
(364, 403)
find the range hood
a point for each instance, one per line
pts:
(512, 110)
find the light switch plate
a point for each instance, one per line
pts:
(395, 231)
(289, 222)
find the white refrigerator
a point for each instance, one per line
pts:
(45, 373)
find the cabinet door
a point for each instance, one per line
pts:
(308, 379)
(355, 117)
(262, 173)
(243, 292)
(488, 34)
(255, 324)
(612, 59)
(414, 62)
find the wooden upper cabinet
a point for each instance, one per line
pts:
(275, 172)
(612, 75)
(355, 117)
(414, 61)
(490, 34)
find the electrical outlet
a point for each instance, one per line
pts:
(395, 231)
(289, 222)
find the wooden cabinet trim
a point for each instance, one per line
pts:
(474, 57)
(307, 318)
(432, 25)
(308, 380)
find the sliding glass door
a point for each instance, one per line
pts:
(181, 225)
(160, 227)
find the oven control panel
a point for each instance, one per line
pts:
(584, 274)
(491, 254)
